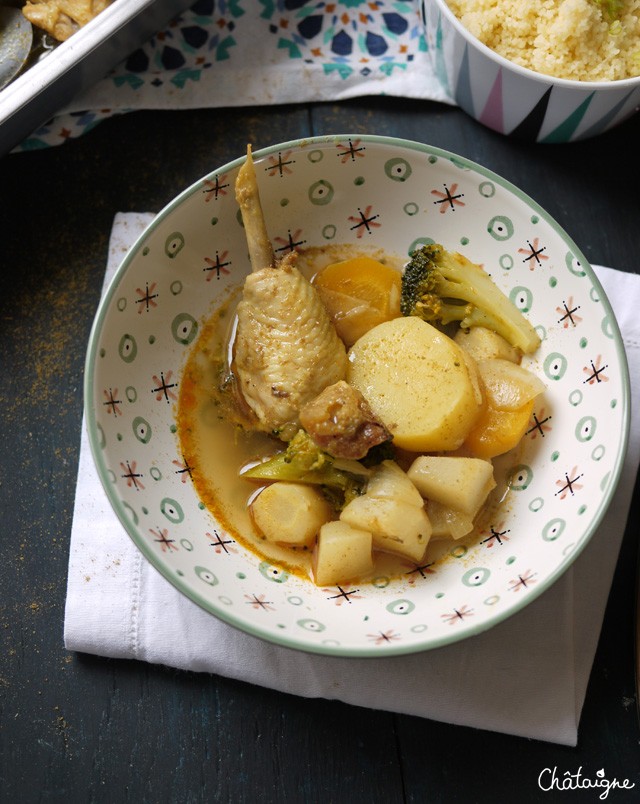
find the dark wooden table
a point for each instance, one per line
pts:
(77, 728)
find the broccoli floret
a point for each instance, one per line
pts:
(304, 462)
(441, 287)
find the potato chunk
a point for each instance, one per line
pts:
(417, 382)
(290, 513)
(462, 484)
(342, 554)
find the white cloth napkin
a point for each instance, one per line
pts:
(527, 676)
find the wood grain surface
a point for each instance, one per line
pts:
(77, 728)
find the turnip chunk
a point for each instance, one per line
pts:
(393, 511)
(448, 523)
(507, 385)
(389, 480)
(397, 527)
(482, 343)
(342, 554)
(462, 484)
(290, 513)
(417, 381)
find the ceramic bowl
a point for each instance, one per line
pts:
(394, 194)
(516, 101)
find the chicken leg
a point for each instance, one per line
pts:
(286, 348)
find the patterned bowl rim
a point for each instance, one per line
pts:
(256, 630)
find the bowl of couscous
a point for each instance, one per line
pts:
(548, 71)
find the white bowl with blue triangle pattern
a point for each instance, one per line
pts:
(516, 101)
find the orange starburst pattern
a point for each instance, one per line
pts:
(569, 313)
(497, 536)
(533, 253)
(258, 602)
(457, 615)
(216, 266)
(292, 242)
(384, 637)
(419, 572)
(163, 388)
(364, 222)
(522, 581)
(539, 424)
(221, 542)
(350, 152)
(595, 371)
(167, 545)
(216, 188)
(146, 300)
(133, 477)
(280, 165)
(112, 403)
(342, 595)
(184, 470)
(568, 485)
(449, 199)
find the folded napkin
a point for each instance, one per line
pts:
(243, 53)
(118, 605)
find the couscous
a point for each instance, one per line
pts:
(580, 40)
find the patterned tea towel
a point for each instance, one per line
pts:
(526, 676)
(262, 52)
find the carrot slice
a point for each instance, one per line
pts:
(359, 294)
(498, 431)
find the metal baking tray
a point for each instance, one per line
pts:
(36, 95)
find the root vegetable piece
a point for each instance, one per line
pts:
(393, 511)
(343, 553)
(290, 513)
(482, 343)
(359, 293)
(507, 385)
(462, 484)
(397, 527)
(510, 392)
(448, 523)
(474, 376)
(389, 480)
(417, 381)
(498, 431)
